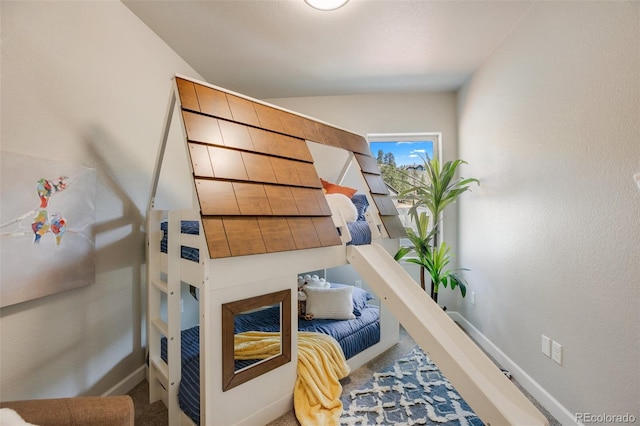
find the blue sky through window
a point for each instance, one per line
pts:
(405, 153)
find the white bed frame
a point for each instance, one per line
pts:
(220, 281)
(266, 397)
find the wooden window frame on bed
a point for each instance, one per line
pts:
(231, 378)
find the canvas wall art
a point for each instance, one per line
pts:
(47, 216)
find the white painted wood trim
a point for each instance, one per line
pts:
(270, 412)
(173, 99)
(154, 289)
(174, 342)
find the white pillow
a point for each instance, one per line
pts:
(330, 303)
(343, 204)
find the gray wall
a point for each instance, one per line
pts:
(85, 82)
(550, 125)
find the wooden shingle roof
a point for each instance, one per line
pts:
(257, 186)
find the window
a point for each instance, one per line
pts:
(401, 160)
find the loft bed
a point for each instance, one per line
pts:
(263, 217)
(259, 205)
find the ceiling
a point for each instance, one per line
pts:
(284, 48)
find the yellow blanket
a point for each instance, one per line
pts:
(321, 364)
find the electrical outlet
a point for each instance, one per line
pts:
(546, 346)
(358, 283)
(473, 297)
(556, 352)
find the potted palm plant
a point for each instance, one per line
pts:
(440, 189)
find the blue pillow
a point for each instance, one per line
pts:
(360, 298)
(361, 203)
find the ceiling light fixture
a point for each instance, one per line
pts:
(326, 4)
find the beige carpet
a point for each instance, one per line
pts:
(148, 414)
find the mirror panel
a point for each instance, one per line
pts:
(263, 319)
(237, 311)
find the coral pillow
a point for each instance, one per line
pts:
(332, 188)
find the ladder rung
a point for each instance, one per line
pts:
(161, 326)
(190, 240)
(161, 285)
(163, 371)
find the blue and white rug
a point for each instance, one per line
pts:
(411, 391)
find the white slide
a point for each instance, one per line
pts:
(495, 399)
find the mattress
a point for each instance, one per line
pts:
(268, 320)
(353, 335)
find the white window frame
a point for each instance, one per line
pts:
(436, 137)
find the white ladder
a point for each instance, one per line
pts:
(164, 377)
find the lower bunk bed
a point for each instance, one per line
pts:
(371, 330)
(353, 335)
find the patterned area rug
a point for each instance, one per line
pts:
(411, 391)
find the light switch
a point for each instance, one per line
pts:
(546, 346)
(556, 352)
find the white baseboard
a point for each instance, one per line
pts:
(545, 399)
(128, 383)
